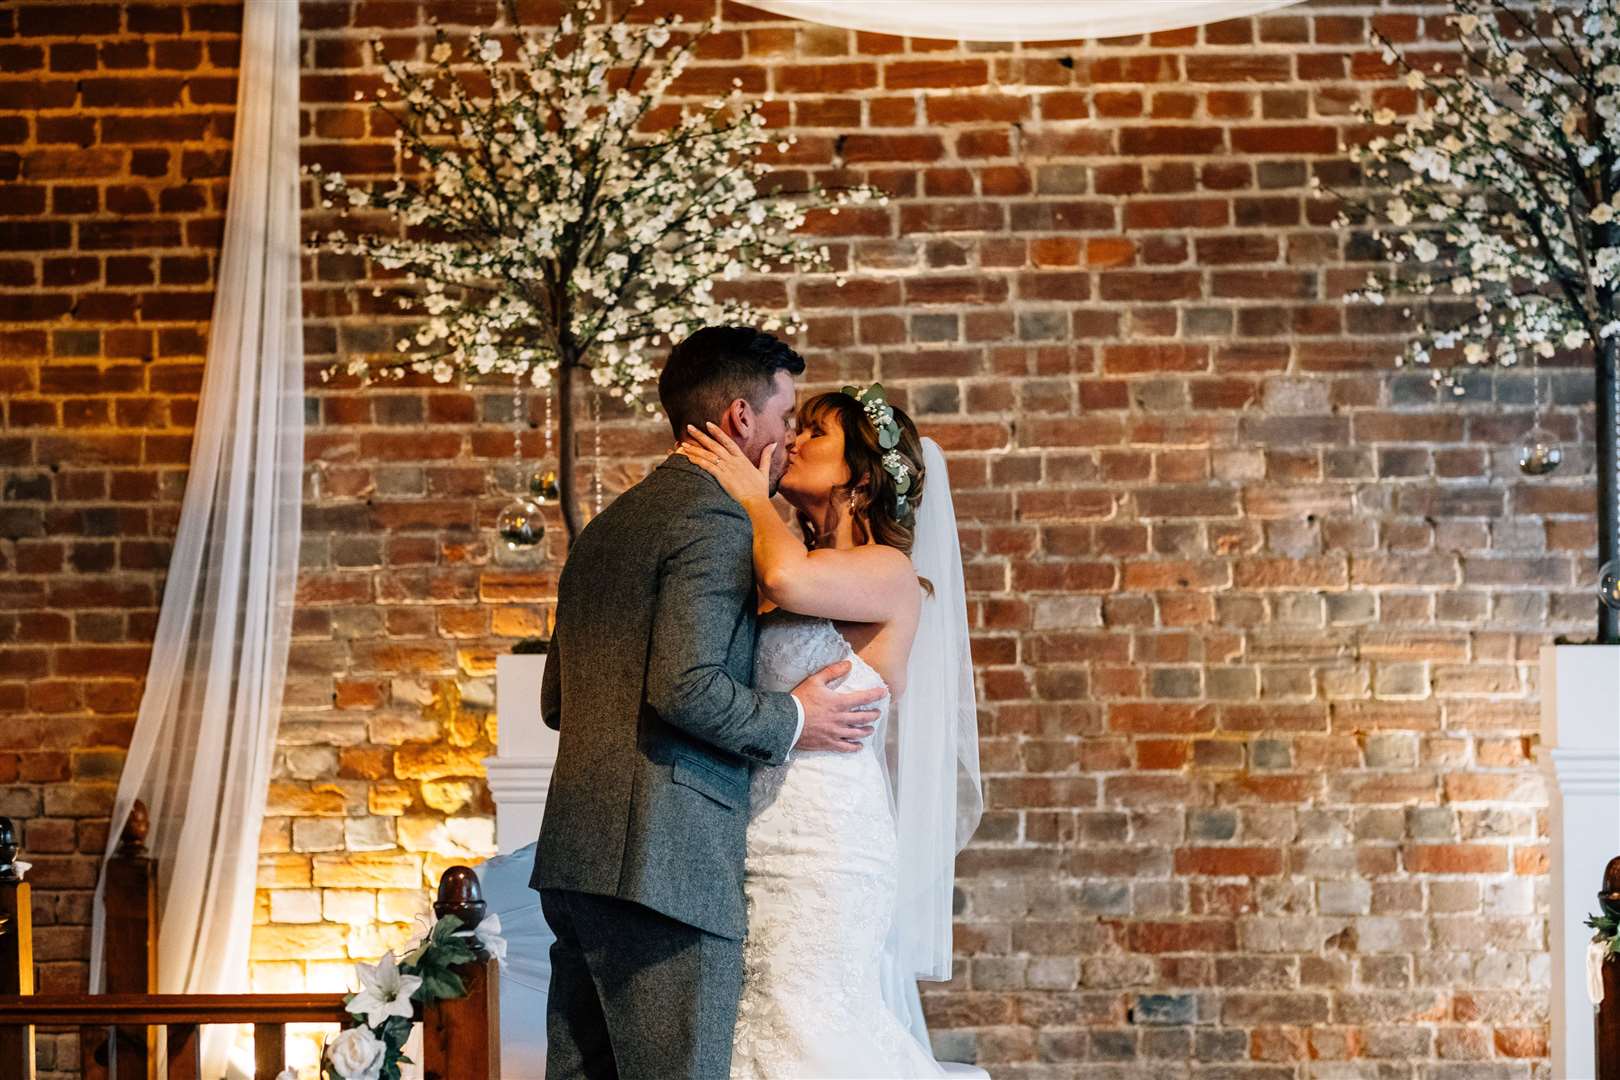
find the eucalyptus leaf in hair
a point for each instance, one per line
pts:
(875, 404)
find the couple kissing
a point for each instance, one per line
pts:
(767, 739)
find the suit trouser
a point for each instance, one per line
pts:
(635, 994)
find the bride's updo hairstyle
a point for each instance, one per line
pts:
(871, 489)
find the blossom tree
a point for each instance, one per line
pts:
(1497, 203)
(548, 218)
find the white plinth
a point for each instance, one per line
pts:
(1580, 752)
(525, 751)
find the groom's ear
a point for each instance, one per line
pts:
(738, 420)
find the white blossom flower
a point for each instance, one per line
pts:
(1488, 189)
(513, 174)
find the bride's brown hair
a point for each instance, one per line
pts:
(871, 490)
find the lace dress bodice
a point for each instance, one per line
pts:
(793, 647)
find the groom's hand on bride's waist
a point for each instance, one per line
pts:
(833, 719)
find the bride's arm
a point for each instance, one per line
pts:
(871, 583)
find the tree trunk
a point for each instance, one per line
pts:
(1608, 474)
(567, 494)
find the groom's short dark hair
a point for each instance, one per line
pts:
(717, 365)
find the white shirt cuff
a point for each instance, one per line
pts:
(799, 730)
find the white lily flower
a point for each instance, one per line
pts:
(384, 992)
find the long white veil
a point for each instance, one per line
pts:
(931, 745)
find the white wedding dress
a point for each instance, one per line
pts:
(820, 882)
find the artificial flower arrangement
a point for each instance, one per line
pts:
(391, 989)
(560, 208)
(1497, 198)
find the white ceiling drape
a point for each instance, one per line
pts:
(1016, 20)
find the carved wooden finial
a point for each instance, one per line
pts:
(8, 851)
(1609, 897)
(461, 895)
(132, 841)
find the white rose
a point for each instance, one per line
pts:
(356, 1054)
(1602, 213)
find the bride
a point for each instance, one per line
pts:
(850, 857)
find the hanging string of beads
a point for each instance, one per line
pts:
(543, 481)
(521, 523)
(596, 449)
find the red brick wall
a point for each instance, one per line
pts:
(115, 126)
(1256, 616)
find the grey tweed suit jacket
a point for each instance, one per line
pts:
(649, 684)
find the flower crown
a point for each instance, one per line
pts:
(878, 410)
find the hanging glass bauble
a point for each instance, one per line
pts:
(1539, 454)
(521, 524)
(543, 486)
(1609, 584)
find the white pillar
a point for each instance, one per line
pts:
(525, 751)
(1580, 752)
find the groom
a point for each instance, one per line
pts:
(649, 682)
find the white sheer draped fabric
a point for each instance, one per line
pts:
(204, 739)
(932, 746)
(1016, 20)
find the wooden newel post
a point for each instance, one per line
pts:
(16, 954)
(461, 1039)
(130, 953)
(1608, 1013)
(131, 906)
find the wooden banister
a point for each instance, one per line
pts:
(72, 1010)
(461, 1038)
